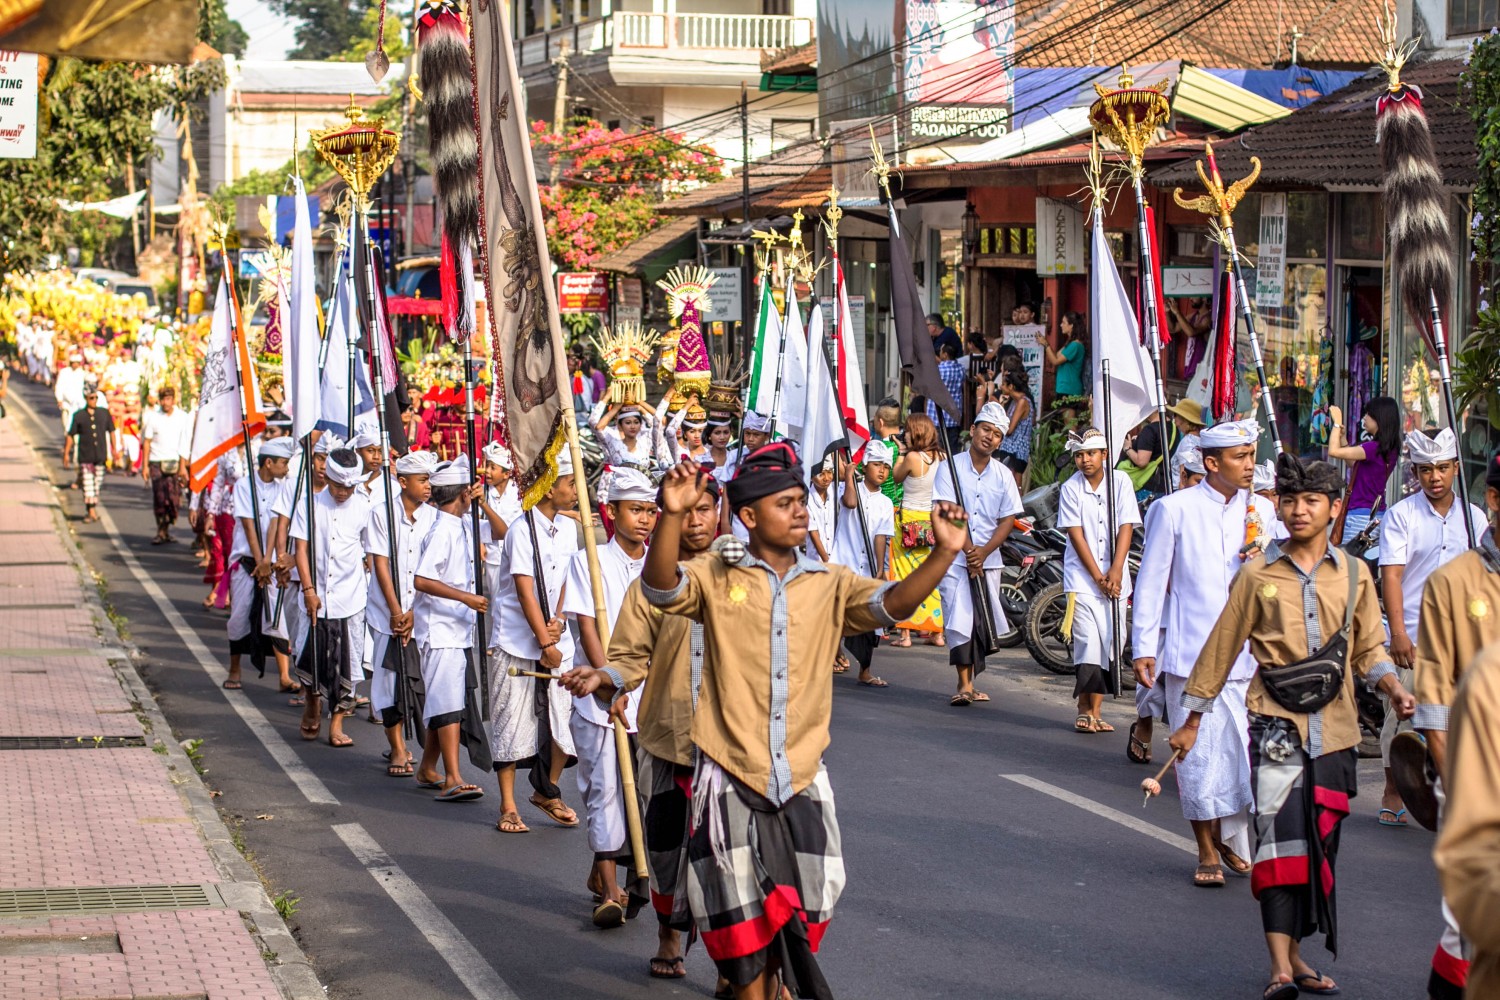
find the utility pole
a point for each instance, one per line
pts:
(747, 257)
(560, 104)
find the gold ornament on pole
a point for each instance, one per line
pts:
(1221, 199)
(360, 150)
(1130, 116)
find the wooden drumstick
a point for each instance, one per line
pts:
(1152, 786)
(518, 672)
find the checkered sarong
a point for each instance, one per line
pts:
(666, 791)
(1299, 803)
(762, 878)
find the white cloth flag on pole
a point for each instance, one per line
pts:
(227, 410)
(848, 349)
(793, 399)
(764, 355)
(342, 335)
(300, 343)
(1117, 339)
(822, 421)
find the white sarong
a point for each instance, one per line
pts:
(1214, 780)
(958, 603)
(513, 721)
(383, 683)
(599, 784)
(443, 671)
(1092, 634)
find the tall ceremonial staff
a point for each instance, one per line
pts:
(1129, 118)
(533, 391)
(1221, 201)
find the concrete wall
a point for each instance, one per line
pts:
(722, 132)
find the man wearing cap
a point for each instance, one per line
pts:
(1459, 616)
(765, 830)
(1420, 533)
(1195, 544)
(334, 594)
(862, 539)
(444, 613)
(252, 594)
(661, 657)
(632, 507)
(1304, 599)
(390, 613)
(987, 490)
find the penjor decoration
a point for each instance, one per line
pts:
(626, 349)
(687, 296)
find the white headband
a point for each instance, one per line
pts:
(344, 475)
(417, 463)
(1426, 450)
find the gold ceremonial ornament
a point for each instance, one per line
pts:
(690, 284)
(625, 351)
(1393, 54)
(360, 150)
(832, 216)
(1479, 609)
(1219, 200)
(14, 13)
(738, 593)
(1130, 116)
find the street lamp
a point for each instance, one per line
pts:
(970, 234)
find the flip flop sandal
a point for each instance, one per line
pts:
(1136, 751)
(1395, 819)
(428, 784)
(980, 696)
(1083, 724)
(287, 688)
(609, 914)
(232, 685)
(405, 770)
(675, 968)
(1317, 989)
(460, 793)
(310, 733)
(961, 700)
(513, 820)
(340, 741)
(1228, 857)
(555, 809)
(1100, 726)
(874, 682)
(1212, 877)
(1279, 991)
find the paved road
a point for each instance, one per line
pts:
(991, 852)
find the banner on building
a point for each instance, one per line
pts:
(582, 292)
(726, 302)
(1270, 267)
(1024, 339)
(1059, 237)
(18, 105)
(1180, 282)
(955, 68)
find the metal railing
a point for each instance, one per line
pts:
(746, 32)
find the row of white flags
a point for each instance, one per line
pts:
(1117, 340)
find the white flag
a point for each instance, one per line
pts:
(822, 421)
(1117, 340)
(848, 349)
(227, 411)
(766, 352)
(300, 340)
(793, 401)
(337, 397)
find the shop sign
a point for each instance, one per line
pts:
(582, 292)
(1059, 237)
(1024, 339)
(628, 305)
(1270, 270)
(726, 297)
(1187, 282)
(956, 68)
(18, 104)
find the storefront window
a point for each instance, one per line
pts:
(1298, 353)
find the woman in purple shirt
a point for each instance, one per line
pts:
(1371, 461)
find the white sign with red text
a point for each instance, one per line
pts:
(18, 97)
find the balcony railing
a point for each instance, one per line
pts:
(624, 30)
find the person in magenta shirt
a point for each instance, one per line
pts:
(1371, 461)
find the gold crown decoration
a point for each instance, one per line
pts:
(1130, 116)
(696, 414)
(723, 399)
(687, 286)
(626, 349)
(688, 366)
(360, 150)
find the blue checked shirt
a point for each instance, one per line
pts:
(953, 374)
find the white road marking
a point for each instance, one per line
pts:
(478, 977)
(1113, 815)
(302, 776)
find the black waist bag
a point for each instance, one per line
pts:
(1308, 685)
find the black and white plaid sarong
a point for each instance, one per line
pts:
(666, 794)
(763, 878)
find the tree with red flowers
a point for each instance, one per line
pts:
(609, 181)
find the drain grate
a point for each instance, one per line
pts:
(106, 899)
(69, 742)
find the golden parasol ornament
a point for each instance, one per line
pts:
(360, 150)
(1130, 116)
(626, 349)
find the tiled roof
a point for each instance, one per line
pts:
(632, 256)
(793, 59)
(1242, 34)
(1331, 142)
(725, 197)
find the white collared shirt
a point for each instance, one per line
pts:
(1416, 536)
(1192, 552)
(448, 557)
(506, 504)
(170, 434)
(339, 564)
(557, 540)
(820, 518)
(880, 519)
(411, 532)
(617, 572)
(989, 497)
(1080, 505)
(266, 496)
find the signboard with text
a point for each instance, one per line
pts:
(1059, 237)
(1270, 267)
(1024, 339)
(582, 292)
(1187, 282)
(628, 304)
(725, 302)
(955, 68)
(18, 105)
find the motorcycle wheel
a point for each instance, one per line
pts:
(1013, 598)
(1041, 630)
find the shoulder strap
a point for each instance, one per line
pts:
(1349, 608)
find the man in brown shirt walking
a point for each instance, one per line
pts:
(1293, 605)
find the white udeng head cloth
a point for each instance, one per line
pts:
(344, 475)
(1426, 450)
(282, 447)
(1090, 440)
(993, 413)
(1231, 434)
(1265, 477)
(877, 451)
(451, 474)
(498, 454)
(365, 439)
(417, 463)
(629, 484)
(756, 422)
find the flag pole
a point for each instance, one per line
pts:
(234, 349)
(1153, 319)
(1111, 517)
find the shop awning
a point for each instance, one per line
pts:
(1216, 102)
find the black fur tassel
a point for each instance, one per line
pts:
(1416, 206)
(448, 93)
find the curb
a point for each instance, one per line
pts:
(290, 968)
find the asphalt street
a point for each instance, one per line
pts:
(991, 851)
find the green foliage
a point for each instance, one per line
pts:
(268, 182)
(286, 905)
(217, 29)
(362, 42)
(1480, 96)
(327, 28)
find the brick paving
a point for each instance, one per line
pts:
(92, 816)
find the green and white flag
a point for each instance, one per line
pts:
(763, 357)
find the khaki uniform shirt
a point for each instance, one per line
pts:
(1269, 605)
(648, 646)
(767, 690)
(1460, 616)
(1468, 845)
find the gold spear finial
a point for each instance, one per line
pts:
(833, 215)
(1393, 54)
(1220, 200)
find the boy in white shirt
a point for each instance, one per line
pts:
(1095, 576)
(392, 601)
(293, 621)
(252, 594)
(500, 505)
(334, 593)
(820, 518)
(632, 506)
(446, 607)
(528, 633)
(859, 540)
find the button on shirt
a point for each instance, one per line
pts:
(762, 713)
(448, 557)
(1080, 505)
(170, 434)
(557, 540)
(988, 497)
(617, 572)
(1416, 536)
(245, 507)
(339, 566)
(849, 548)
(411, 532)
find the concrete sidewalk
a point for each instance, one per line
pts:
(117, 877)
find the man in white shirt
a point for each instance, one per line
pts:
(1197, 540)
(166, 442)
(1095, 576)
(862, 540)
(293, 622)
(334, 593)
(390, 610)
(632, 506)
(1419, 534)
(68, 389)
(251, 585)
(528, 633)
(987, 491)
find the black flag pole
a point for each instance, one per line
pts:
(1111, 517)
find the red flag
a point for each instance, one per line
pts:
(1161, 302)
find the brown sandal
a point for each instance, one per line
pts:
(511, 823)
(556, 809)
(1209, 877)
